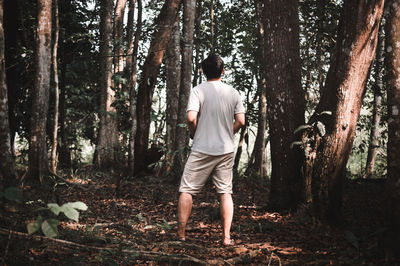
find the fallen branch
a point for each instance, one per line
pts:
(143, 255)
(247, 256)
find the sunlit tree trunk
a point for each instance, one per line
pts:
(151, 67)
(376, 115)
(119, 35)
(56, 90)
(172, 63)
(182, 134)
(132, 74)
(337, 112)
(107, 143)
(285, 99)
(393, 90)
(38, 160)
(7, 168)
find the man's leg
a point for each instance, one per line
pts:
(184, 209)
(226, 216)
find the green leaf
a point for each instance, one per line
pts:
(34, 226)
(295, 143)
(54, 208)
(351, 238)
(13, 194)
(326, 113)
(182, 125)
(49, 227)
(321, 128)
(302, 127)
(79, 205)
(70, 212)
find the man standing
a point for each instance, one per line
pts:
(215, 113)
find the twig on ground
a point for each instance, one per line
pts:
(144, 255)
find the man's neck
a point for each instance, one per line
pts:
(214, 79)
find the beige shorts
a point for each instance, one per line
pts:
(200, 166)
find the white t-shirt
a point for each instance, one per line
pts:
(217, 104)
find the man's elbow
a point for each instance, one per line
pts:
(240, 120)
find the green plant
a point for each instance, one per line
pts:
(12, 194)
(49, 226)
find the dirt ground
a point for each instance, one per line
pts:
(137, 227)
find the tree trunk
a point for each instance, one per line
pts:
(38, 161)
(172, 63)
(14, 31)
(258, 161)
(107, 146)
(64, 157)
(151, 67)
(7, 168)
(132, 73)
(285, 99)
(335, 118)
(197, 28)
(376, 115)
(182, 134)
(393, 159)
(56, 90)
(242, 138)
(119, 36)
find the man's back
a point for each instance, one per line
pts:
(217, 103)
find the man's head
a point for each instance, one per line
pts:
(213, 66)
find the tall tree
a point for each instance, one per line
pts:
(285, 99)
(330, 140)
(151, 67)
(38, 161)
(131, 66)
(56, 90)
(257, 161)
(107, 143)
(393, 90)
(7, 169)
(377, 109)
(119, 13)
(173, 72)
(182, 135)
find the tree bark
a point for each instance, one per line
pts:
(377, 112)
(285, 99)
(151, 68)
(331, 137)
(7, 169)
(108, 145)
(172, 63)
(56, 90)
(38, 160)
(393, 90)
(133, 54)
(182, 134)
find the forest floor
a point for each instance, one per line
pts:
(138, 226)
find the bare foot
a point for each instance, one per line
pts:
(228, 242)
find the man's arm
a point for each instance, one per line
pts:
(192, 122)
(239, 122)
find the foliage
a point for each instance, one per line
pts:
(49, 226)
(12, 194)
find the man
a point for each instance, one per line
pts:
(215, 113)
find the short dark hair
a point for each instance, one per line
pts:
(212, 66)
